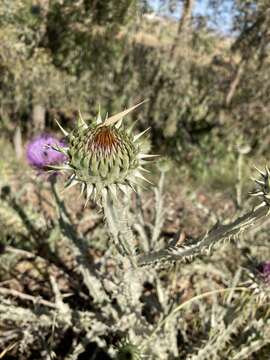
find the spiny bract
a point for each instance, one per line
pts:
(104, 156)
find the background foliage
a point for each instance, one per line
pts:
(62, 55)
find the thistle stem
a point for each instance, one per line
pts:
(204, 244)
(118, 227)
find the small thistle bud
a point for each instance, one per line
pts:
(262, 191)
(104, 156)
(127, 351)
(260, 280)
(264, 272)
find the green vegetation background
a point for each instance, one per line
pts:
(207, 92)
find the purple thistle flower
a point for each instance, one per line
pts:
(259, 280)
(40, 155)
(263, 271)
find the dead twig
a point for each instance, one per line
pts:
(33, 299)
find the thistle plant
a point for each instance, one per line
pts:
(112, 293)
(106, 159)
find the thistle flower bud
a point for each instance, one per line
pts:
(262, 191)
(127, 350)
(264, 272)
(259, 274)
(104, 156)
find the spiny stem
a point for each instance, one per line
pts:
(217, 233)
(118, 227)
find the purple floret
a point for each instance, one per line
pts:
(40, 155)
(264, 271)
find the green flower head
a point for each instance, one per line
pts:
(128, 351)
(104, 156)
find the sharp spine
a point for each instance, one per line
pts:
(81, 121)
(61, 128)
(137, 137)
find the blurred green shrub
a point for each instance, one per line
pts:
(203, 87)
